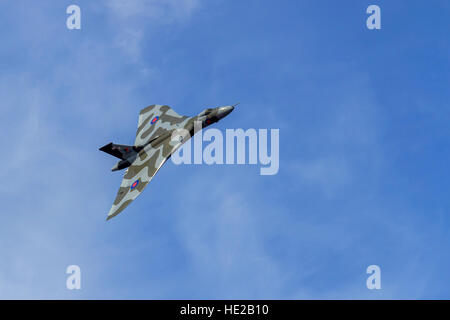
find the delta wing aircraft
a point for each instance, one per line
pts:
(153, 146)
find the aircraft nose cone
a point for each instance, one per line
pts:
(224, 111)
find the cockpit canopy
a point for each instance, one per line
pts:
(205, 112)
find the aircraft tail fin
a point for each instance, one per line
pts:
(119, 150)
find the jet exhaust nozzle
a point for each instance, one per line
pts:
(122, 164)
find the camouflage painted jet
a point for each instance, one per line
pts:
(153, 147)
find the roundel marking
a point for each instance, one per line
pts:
(135, 184)
(154, 120)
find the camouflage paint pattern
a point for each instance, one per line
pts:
(153, 147)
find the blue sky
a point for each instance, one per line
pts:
(364, 149)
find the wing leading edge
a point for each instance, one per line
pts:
(156, 120)
(140, 173)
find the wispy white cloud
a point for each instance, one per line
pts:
(52, 177)
(227, 244)
(136, 20)
(326, 174)
(162, 11)
(217, 232)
